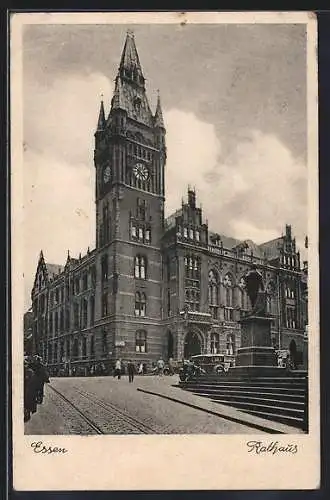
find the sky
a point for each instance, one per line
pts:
(234, 104)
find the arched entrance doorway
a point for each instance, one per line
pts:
(170, 345)
(293, 353)
(192, 345)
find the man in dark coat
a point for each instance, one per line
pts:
(30, 390)
(131, 370)
(42, 376)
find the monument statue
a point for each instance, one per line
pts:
(255, 290)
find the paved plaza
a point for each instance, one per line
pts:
(105, 405)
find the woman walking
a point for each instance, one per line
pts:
(118, 369)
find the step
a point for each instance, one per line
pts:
(259, 390)
(292, 395)
(284, 419)
(276, 381)
(253, 399)
(257, 406)
(266, 390)
(251, 379)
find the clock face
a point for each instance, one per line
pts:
(107, 174)
(141, 172)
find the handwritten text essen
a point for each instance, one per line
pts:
(40, 447)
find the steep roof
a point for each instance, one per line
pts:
(130, 94)
(271, 248)
(53, 269)
(130, 57)
(227, 241)
(170, 220)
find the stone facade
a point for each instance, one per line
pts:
(153, 286)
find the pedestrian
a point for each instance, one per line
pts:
(42, 376)
(130, 370)
(171, 366)
(28, 395)
(140, 370)
(31, 385)
(160, 366)
(118, 369)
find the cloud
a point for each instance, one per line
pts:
(61, 118)
(59, 210)
(251, 193)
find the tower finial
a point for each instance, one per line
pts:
(101, 123)
(159, 120)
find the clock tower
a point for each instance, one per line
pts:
(129, 157)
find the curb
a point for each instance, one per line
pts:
(237, 420)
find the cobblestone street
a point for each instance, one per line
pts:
(104, 405)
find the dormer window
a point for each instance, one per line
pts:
(185, 232)
(191, 234)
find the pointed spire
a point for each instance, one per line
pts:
(130, 66)
(159, 120)
(101, 121)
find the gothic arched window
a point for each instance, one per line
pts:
(213, 293)
(104, 342)
(140, 265)
(229, 292)
(215, 344)
(243, 303)
(84, 347)
(92, 310)
(230, 344)
(140, 304)
(141, 341)
(92, 347)
(84, 312)
(228, 283)
(75, 349)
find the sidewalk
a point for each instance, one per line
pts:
(167, 387)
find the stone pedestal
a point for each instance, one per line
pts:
(256, 356)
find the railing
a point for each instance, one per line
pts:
(235, 255)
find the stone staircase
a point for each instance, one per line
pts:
(283, 399)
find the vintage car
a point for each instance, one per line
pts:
(214, 363)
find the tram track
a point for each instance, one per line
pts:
(83, 416)
(115, 413)
(114, 410)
